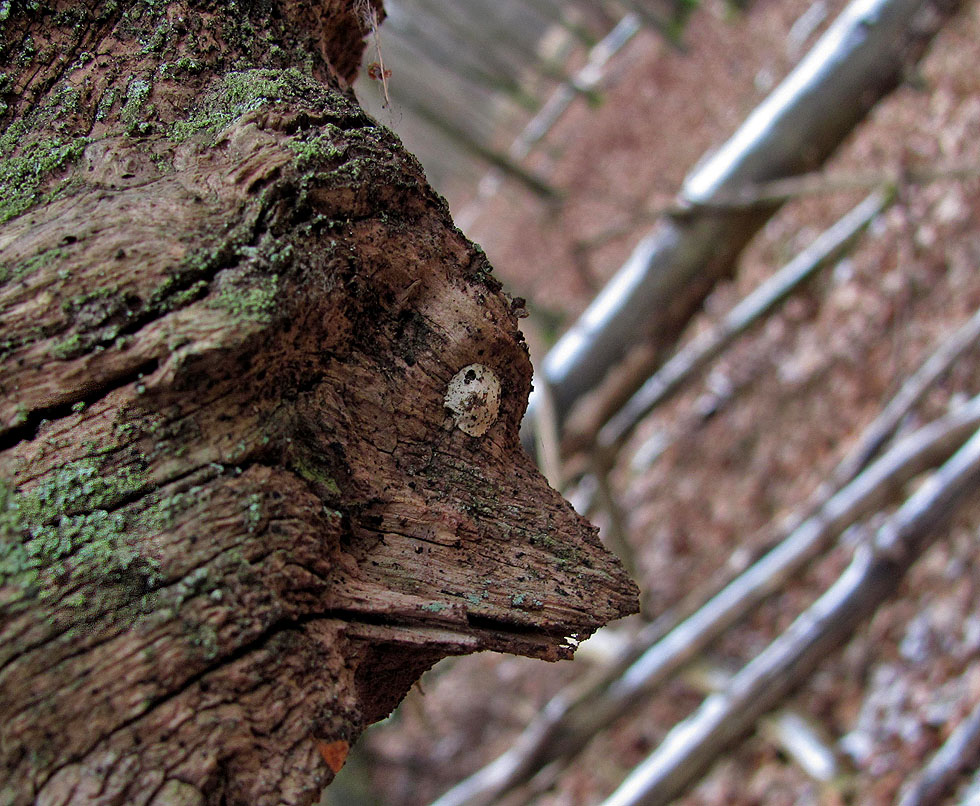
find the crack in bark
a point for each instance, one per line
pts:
(28, 430)
(489, 629)
(155, 703)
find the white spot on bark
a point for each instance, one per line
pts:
(473, 396)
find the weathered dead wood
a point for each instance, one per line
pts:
(247, 492)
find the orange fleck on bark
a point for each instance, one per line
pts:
(334, 753)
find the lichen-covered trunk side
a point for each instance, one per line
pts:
(259, 401)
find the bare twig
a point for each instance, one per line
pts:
(858, 59)
(546, 437)
(584, 81)
(688, 362)
(960, 752)
(615, 535)
(694, 744)
(911, 392)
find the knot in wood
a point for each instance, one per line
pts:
(473, 396)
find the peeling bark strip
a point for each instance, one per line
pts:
(238, 518)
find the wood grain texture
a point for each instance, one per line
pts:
(237, 519)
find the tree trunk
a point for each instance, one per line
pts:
(259, 402)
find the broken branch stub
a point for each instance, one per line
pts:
(237, 518)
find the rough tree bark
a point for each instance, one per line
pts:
(259, 402)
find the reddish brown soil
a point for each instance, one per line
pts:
(805, 384)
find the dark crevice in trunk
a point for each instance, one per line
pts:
(28, 430)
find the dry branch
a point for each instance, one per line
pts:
(863, 55)
(693, 358)
(959, 753)
(778, 191)
(871, 578)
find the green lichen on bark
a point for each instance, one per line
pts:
(261, 63)
(25, 268)
(135, 108)
(309, 468)
(328, 143)
(37, 148)
(70, 525)
(252, 299)
(237, 93)
(25, 170)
